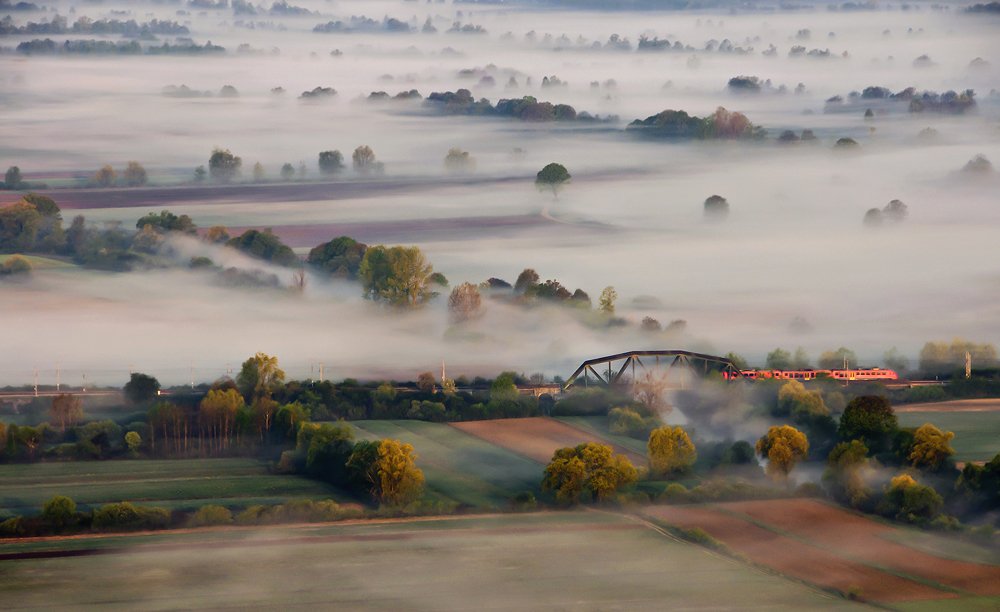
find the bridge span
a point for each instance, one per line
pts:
(620, 369)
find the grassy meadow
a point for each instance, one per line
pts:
(182, 484)
(459, 467)
(977, 434)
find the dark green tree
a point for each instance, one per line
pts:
(331, 162)
(141, 388)
(871, 419)
(552, 177)
(223, 165)
(340, 257)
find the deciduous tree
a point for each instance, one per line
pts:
(552, 178)
(260, 376)
(606, 303)
(587, 472)
(331, 162)
(134, 174)
(223, 166)
(105, 177)
(670, 451)
(931, 447)
(401, 481)
(66, 410)
(871, 419)
(141, 388)
(465, 302)
(783, 447)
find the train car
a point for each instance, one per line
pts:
(842, 374)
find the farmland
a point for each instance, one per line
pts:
(837, 550)
(537, 437)
(579, 560)
(460, 467)
(976, 431)
(183, 484)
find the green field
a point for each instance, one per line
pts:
(977, 434)
(183, 484)
(458, 466)
(580, 561)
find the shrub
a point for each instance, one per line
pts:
(523, 502)
(125, 516)
(211, 515)
(12, 527)
(675, 493)
(297, 511)
(59, 512)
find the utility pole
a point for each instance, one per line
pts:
(192, 377)
(85, 383)
(36, 382)
(58, 374)
(321, 371)
(968, 364)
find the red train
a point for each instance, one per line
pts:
(850, 374)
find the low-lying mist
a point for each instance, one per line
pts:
(793, 247)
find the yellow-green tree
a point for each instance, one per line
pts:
(795, 400)
(589, 471)
(931, 447)
(401, 481)
(783, 446)
(217, 415)
(259, 376)
(670, 450)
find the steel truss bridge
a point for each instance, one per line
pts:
(620, 370)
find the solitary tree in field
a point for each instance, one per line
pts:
(587, 472)
(401, 481)
(552, 177)
(716, 207)
(223, 165)
(12, 178)
(258, 172)
(135, 174)
(465, 302)
(363, 159)
(105, 177)
(783, 447)
(459, 161)
(331, 162)
(287, 172)
(606, 303)
(670, 450)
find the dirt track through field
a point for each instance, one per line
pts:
(537, 437)
(797, 559)
(969, 405)
(856, 537)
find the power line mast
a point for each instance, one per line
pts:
(968, 364)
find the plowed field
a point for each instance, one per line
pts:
(537, 437)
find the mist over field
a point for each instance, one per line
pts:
(793, 247)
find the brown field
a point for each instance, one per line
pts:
(856, 537)
(969, 405)
(537, 437)
(795, 558)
